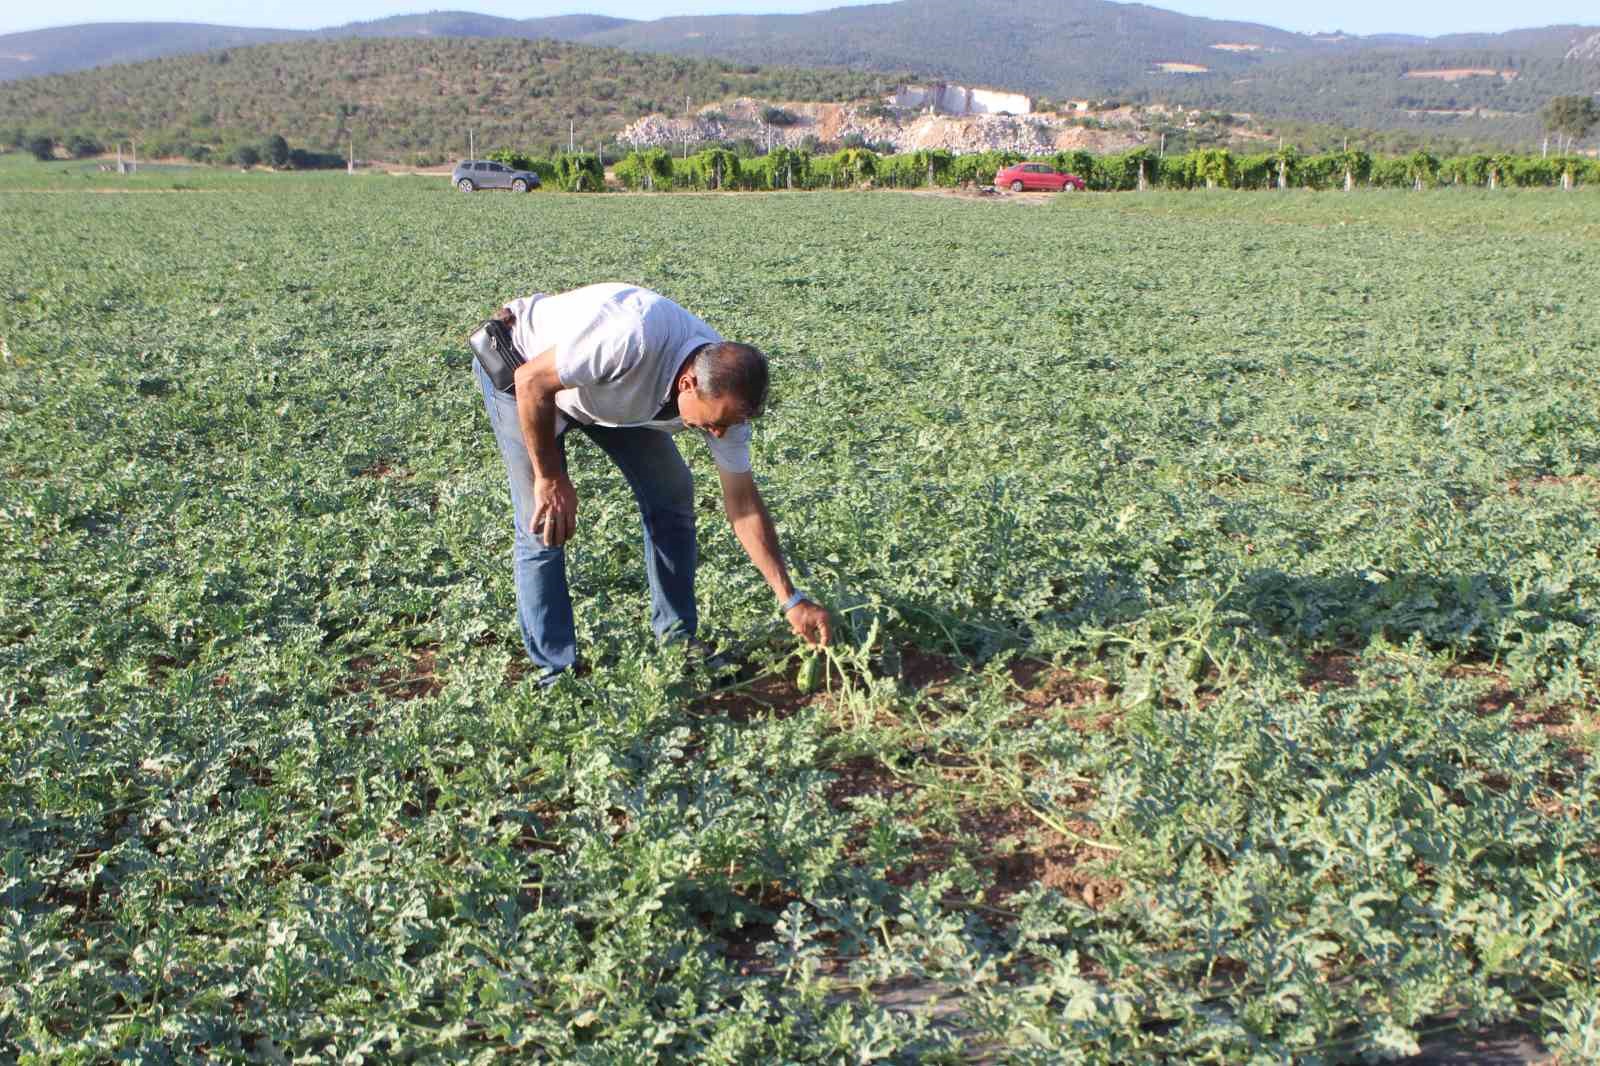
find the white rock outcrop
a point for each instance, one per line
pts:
(906, 130)
(945, 98)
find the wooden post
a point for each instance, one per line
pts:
(1144, 184)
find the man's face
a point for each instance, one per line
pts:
(714, 414)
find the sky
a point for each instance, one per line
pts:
(1424, 17)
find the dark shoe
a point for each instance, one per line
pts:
(702, 657)
(551, 675)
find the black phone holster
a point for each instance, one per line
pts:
(497, 353)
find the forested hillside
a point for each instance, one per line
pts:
(413, 100)
(1473, 87)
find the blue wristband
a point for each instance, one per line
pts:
(794, 601)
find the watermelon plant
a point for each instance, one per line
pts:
(1213, 678)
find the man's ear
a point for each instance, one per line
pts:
(686, 380)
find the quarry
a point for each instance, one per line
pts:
(953, 117)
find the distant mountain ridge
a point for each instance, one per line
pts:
(934, 34)
(96, 44)
(1466, 84)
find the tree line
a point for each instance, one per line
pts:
(720, 169)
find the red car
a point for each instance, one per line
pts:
(1020, 176)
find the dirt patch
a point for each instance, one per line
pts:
(1006, 839)
(1046, 689)
(381, 469)
(864, 776)
(984, 192)
(1329, 670)
(1566, 725)
(771, 694)
(1459, 73)
(418, 678)
(1519, 486)
(926, 670)
(1019, 853)
(1023, 853)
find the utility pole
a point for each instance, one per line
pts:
(472, 145)
(571, 127)
(134, 146)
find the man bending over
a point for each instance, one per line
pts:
(627, 367)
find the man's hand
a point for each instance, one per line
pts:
(810, 622)
(555, 510)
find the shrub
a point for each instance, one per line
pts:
(1121, 172)
(1075, 161)
(781, 168)
(777, 116)
(1422, 169)
(854, 165)
(1215, 167)
(1466, 170)
(275, 150)
(578, 172)
(306, 159)
(1181, 171)
(43, 147)
(246, 155)
(713, 168)
(649, 168)
(979, 167)
(513, 159)
(1531, 170)
(1255, 171)
(1321, 171)
(1389, 172)
(81, 146)
(927, 166)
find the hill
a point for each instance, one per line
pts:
(68, 48)
(64, 49)
(1478, 86)
(1094, 48)
(403, 98)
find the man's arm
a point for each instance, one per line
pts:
(555, 506)
(751, 523)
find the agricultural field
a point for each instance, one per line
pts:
(1216, 574)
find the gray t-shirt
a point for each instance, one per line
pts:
(618, 349)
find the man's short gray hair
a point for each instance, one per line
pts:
(727, 368)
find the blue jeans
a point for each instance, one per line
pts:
(664, 489)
